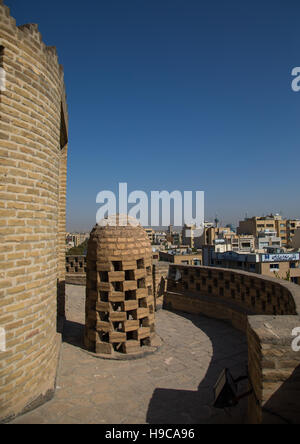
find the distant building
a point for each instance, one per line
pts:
(223, 239)
(220, 245)
(174, 237)
(187, 235)
(284, 228)
(268, 239)
(76, 239)
(151, 234)
(292, 227)
(296, 239)
(245, 243)
(255, 224)
(179, 257)
(275, 262)
(160, 237)
(212, 233)
(190, 236)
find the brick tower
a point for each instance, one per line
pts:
(33, 159)
(119, 298)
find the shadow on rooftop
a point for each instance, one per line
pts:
(73, 333)
(170, 406)
(283, 407)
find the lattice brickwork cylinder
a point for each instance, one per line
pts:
(119, 295)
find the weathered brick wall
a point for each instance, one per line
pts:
(267, 310)
(274, 369)
(33, 153)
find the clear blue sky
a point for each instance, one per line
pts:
(178, 94)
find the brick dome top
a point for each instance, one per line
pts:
(110, 242)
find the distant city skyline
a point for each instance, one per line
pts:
(178, 94)
(221, 223)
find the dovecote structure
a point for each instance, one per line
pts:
(119, 298)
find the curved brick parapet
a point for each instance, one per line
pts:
(267, 310)
(33, 151)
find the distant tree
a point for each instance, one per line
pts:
(286, 278)
(78, 251)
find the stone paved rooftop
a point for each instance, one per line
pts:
(172, 386)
